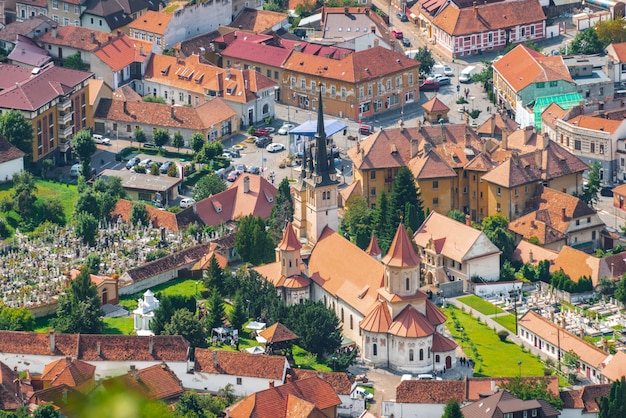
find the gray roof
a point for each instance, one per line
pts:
(9, 32)
(346, 26)
(117, 13)
(139, 181)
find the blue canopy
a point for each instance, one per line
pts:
(309, 128)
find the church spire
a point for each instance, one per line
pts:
(321, 168)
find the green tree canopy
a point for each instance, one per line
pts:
(24, 193)
(92, 263)
(452, 410)
(168, 304)
(611, 31)
(208, 185)
(139, 135)
(253, 242)
(189, 326)
(590, 191)
(282, 212)
(615, 404)
(16, 319)
(213, 276)
(196, 141)
(456, 214)
(496, 228)
(316, 325)
(383, 222)
(586, 42)
(78, 310)
(425, 57)
(75, 62)
(238, 316)
(86, 227)
(217, 314)
(190, 405)
(46, 411)
(84, 146)
(405, 191)
(18, 131)
(527, 389)
(139, 213)
(161, 137)
(178, 141)
(357, 221)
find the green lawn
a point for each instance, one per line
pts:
(480, 305)
(183, 287)
(305, 360)
(66, 193)
(122, 325)
(493, 358)
(507, 321)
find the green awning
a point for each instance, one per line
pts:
(566, 101)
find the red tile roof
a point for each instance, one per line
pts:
(373, 249)
(252, 51)
(290, 241)
(587, 398)
(76, 37)
(617, 51)
(442, 344)
(434, 315)
(378, 318)
(8, 152)
(401, 252)
(240, 364)
(410, 323)
(156, 382)
(435, 105)
(8, 398)
(121, 51)
(38, 344)
(340, 381)
(160, 218)
(278, 333)
(68, 371)
(152, 22)
(258, 20)
(430, 391)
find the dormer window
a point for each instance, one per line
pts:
(230, 90)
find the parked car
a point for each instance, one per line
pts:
(263, 141)
(75, 170)
(275, 147)
(241, 168)
(186, 202)
(366, 130)
(149, 145)
(442, 79)
(397, 34)
(284, 130)
(406, 42)
(146, 163)
(402, 17)
(132, 162)
(361, 393)
(165, 166)
(606, 191)
(253, 169)
(99, 139)
(429, 85)
(232, 176)
(262, 132)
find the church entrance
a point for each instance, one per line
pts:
(448, 362)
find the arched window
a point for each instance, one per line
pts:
(429, 352)
(436, 358)
(105, 296)
(421, 354)
(411, 355)
(341, 314)
(374, 349)
(407, 283)
(289, 263)
(266, 109)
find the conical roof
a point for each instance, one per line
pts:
(278, 333)
(442, 344)
(290, 241)
(434, 315)
(373, 249)
(401, 253)
(411, 324)
(378, 319)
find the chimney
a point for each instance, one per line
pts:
(54, 32)
(375, 41)
(538, 158)
(346, 10)
(215, 362)
(227, 74)
(475, 10)
(110, 37)
(401, 125)
(93, 37)
(68, 359)
(413, 147)
(427, 148)
(468, 220)
(52, 340)
(141, 50)
(515, 157)
(563, 214)
(150, 345)
(271, 383)
(528, 133)
(297, 47)
(505, 139)
(172, 112)
(468, 143)
(119, 33)
(125, 108)
(246, 184)
(98, 349)
(545, 141)
(530, 257)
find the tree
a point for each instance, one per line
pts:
(153, 99)
(46, 411)
(282, 212)
(18, 131)
(611, 31)
(92, 263)
(238, 315)
(189, 326)
(253, 242)
(495, 227)
(620, 291)
(405, 192)
(161, 137)
(87, 202)
(456, 214)
(197, 141)
(78, 310)
(24, 193)
(586, 43)
(316, 325)
(75, 62)
(172, 171)
(52, 211)
(425, 57)
(357, 221)
(139, 213)
(168, 304)
(527, 389)
(452, 410)
(139, 135)
(16, 319)
(208, 185)
(216, 315)
(607, 286)
(591, 189)
(46, 165)
(86, 227)
(84, 146)
(214, 275)
(382, 222)
(178, 141)
(190, 405)
(615, 404)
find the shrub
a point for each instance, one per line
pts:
(140, 169)
(503, 334)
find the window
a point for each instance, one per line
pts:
(435, 184)
(374, 349)
(76, 10)
(588, 219)
(55, 18)
(66, 21)
(66, 7)
(554, 83)
(498, 208)
(593, 147)
(525, 414)
(239, 381)
(498, 191)
(508, 415)
(437, 358)
(55, 4)
(372, 175)
(532, 30)
(333, 90)
(490, 37)
(407, 281)
(577, 145)
(593, 235)
(411, 355)
(421, 354)
(351, 322)
(533, 413)
(435, 201)
(577, 222)
(541, 85)
(373, 191)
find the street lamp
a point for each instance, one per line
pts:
(401, 103)
(519, 363)
(472, 98)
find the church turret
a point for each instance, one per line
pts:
(321, 168)
(373, 249)
(402, 265)
(288, 253)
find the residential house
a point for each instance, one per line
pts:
(65, 12)
(11, 159)
(504, 403)
(27, 9)
(453, 251)
(342, 24)
(120, 60)
(108, 16)
(554, 342)
(615, 367)
(151, 27)
(354, 86)
(246, 373)
(214, 119)
(250, 194)
(616, 64)
(68, 40)
(260, 21)
(308, 398)
(156, 383)
(462, 28)
(583, 402)
(146, 187)
(28, 54)
(524, 75)
(495, 125)
(31, 28)
(555, 219)
(525, 252)
(53, 99)
(175, 222)
(191, 81)
(10, 396)
(69, 371)
(577, 264)
(589, 75)
(160, 270)
(106, 286)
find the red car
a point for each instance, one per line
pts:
(430, 85)
(262, 132)
(397, 34)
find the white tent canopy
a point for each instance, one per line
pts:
(255, 350)
(256, 326)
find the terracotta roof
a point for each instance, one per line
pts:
(357, 282)
(551, 114)
(198, 118)
(430, 166)
(252, 51)
(38, 344)
(457, 144)
(8, 152)
(430, 391)
(205, 261)
(617, 51)
(280, 401)
(435, 105)
(442, 344)
(495, 124)
(28, 92)
(340, 381)
(587, 398)
(126, 93)
(68, 371)
(596, 123)
(524, 66)
(151, 21)
(76, 37)
(95, 279)
(488, 17)
(401, 252)
(576, 264)
(258, 20)
(433, 314)
(546, 330)
(234, 202)
(410, 323)
(504, 402)
(133, 348)
(373, 249)
(615, 367)
(9, 32)
(240, 364)
(479, 387)
(121, 51)
(290, 241)
(453, 239)
(167, 263)
(385, 148)
(378, 318)
(530, 253)
(278, 333)
(27, 52)
(156, 382)
(272, 273)
(350, 190)
(8, 398)
(159, 218)
(480, 163)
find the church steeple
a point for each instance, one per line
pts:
(322, 167)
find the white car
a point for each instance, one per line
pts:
(275, 147)
(186, 202)
(361, 393)
(99, 139)
(284, 130)
(75, 170)
(146, 163)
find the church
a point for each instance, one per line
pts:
(378, 301)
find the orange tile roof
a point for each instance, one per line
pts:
(478, 387)
(378, 319)
(121, 51)
(373, 249)
(386, 148)
(433, 314)
(430, 166)
(240, 364)
(357, 282)
(340, 381)
(156, 382)
(258, 20)
(587, 398)
(524, 66)
(9, 400)
(577, 264)
(290, 241)
(442, 344)
(596, 123)
(410, 323)
(278, 333)
(496, 123)
(68, 371)
(615, 367)
(205, 261)
(617, 51)
(430, 391)
(151, 21)
(551, 114)
(76, 37)
(435, 105)
(568, 342)
(530, 253)
(160, 218)
(95, 279)
(401, 252)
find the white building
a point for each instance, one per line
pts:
(144, 314)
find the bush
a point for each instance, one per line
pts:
(461, 100)
(140, 169)
(503, 335)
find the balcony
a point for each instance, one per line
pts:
(64, 118)
(66, 133)
(388, 179)
(64, 104)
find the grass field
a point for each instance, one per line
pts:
(492, 357)
(123, 325)
(507, 321)
(183, 287)
(480, 305)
